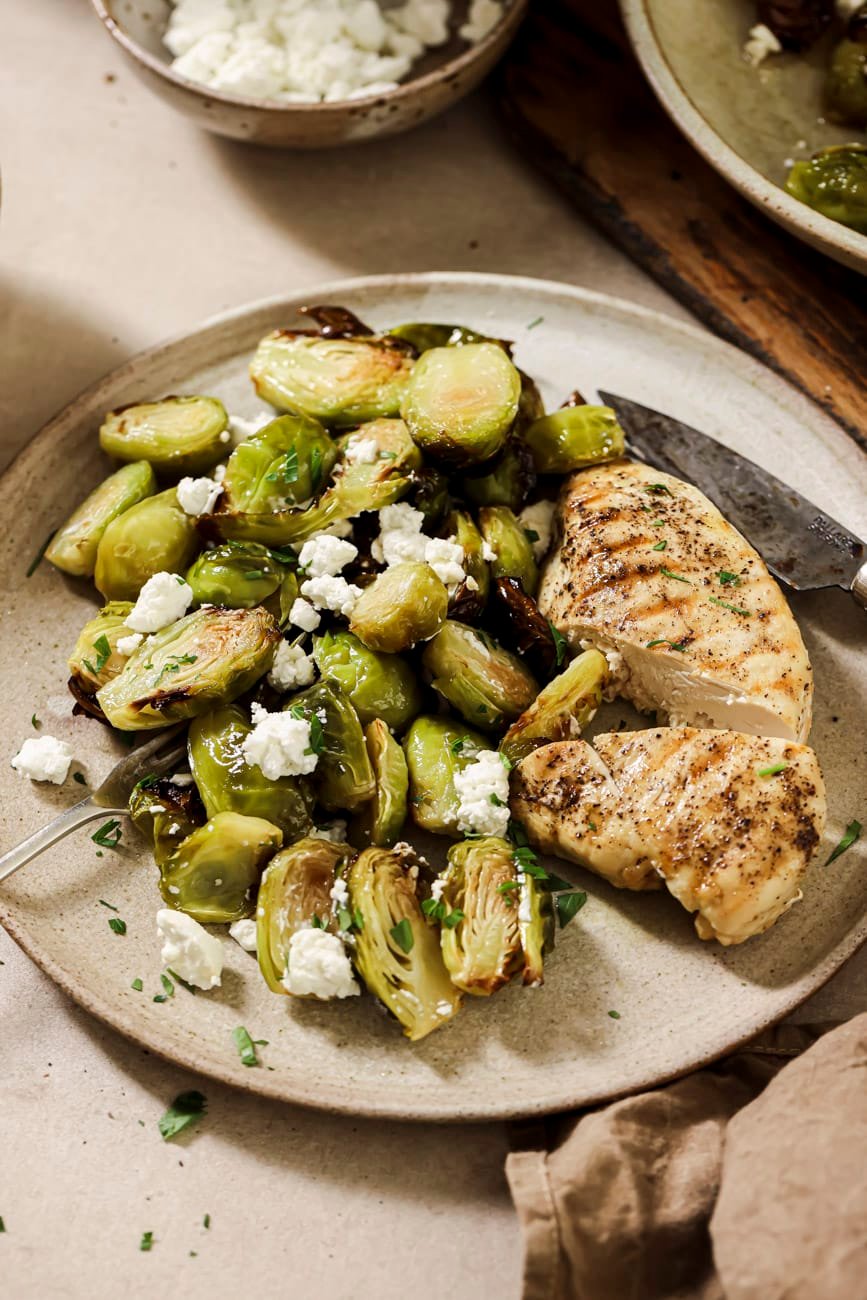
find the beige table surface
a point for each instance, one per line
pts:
(121, 224)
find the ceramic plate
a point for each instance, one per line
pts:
(681, 1002)
(747, 122)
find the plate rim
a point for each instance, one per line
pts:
(832, 238)
(307, 1096)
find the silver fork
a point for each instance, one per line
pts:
(156, 757)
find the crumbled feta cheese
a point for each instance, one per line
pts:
(279, 744)
(303, 615)
(361, 451)
(181, 778)
(44, 758)
(489, 555)
(401, 540)
(760, 43)
(331, 593)
(436, 889)
(483, 17)
(324, 556)
(291, 668)
(539, 519)
(244, 933)
(525, 908)
(162, 600)
(126, 645)
(446, 558)
(219, 473)
(319, 967)
(483, 795)
(198, 496)
(188, 949)
(339, 893)
(242, 427)
(335, 831)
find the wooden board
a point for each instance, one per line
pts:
(577, 105)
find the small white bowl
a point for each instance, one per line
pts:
(445, 75)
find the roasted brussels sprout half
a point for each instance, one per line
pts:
(397, 954)
(214, 873)
(486, 684)
(562, 709)
(797, 24)
(436, 749)
(470, 598)
(95, 659)
(508, 482)
(283, 464)
(506, 536)
(481, 931)
(536, 919)
(295, 892)
(228, 783)
(846, 82)
(236, 574)
(154, 536)
(429, 493)
(381, 820)
(530, 407)
(205, 659)
(179, 435)
(405, 604)
(340, 381)
(359, 486)
(516, 620)
(73, 547)
(575, 436)
(378, 685)
(165, 814)
(461, 402)
(834, 182)
(343, 779)
(425, 336)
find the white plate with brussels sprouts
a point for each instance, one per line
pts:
(375, 679)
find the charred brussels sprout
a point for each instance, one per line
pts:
(509, 481)
(562, 710)
(228, 783)
(397, 953)
(485, 683)
(95, 659)
(381, 820)
(406, 604)
(429, 493)
(165, 814)
(461, 402)
(436, 749)
(340, 381)
(834, 182)
(236, 574)
(423, 336)
(205, 659)
(575, 436)
(846, 82)
(343, 778)
(179, 435)
(283, 464)
(470, 598)
(481, 933)
(214, 873)
(531, 407)
(151, 537)
(378, 685)
(295, 892)
(73, 547)
(506, 536)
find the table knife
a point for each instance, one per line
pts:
(801, 544)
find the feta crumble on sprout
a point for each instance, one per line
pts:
(319, 966)
(163, 599)
(331, 593)
(279, 744)
(244, 933)
(198, 496)
(127, 645)
(291, 668)
(324, 555)
(483, 795)
(401, 540)
(303, 615)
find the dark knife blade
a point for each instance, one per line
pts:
(800, 544)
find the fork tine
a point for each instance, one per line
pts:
(156, 755)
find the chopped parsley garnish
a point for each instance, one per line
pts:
(850, 835)
(457, 745)
(403, 935)
(117, 925)
(773, 769)
(569, 905)
(454, 918)
(592, 825)
(658, 489)
(284, 555)
(147, 1241)
(186, 1108)
(507, 762)
(79, 777)
(174, 663)
(559, 644)
(109, 834)
(288, 471)
(388, 455)
(317, 735)
(672, 645)
(678, 577)
(531, 535)
(316, 922)
(436, 909)
(483, 708)
(657, 523)
(660, 546)
(246, 1047)
(2, 1224)
(508, 886)
(35, 723)
(615, 1015)
(138, 985)
(727, 579)
(111, 907)
(206, 1222)
(252, 575)
(168, 986)
(315, 469)
(103, 651)
(497, 801)
(37, 559)
(347, 920)
(735, 609)
(533, 323)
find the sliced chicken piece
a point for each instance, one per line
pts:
(693, 625)
(704, 812)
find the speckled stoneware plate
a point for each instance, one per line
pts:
(681, 1001)
(747, 122)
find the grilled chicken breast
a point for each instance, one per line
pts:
(693, 625)
(702, 812)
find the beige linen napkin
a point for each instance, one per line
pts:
(745, 1181)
